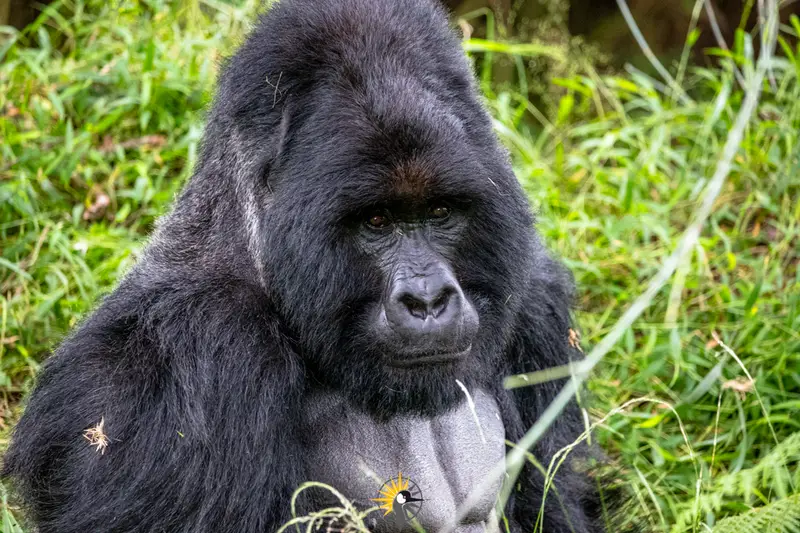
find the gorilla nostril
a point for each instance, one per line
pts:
(440, 304)
(415, 306)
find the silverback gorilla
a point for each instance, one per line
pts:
(352, 256)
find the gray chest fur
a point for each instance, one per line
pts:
(446, 456)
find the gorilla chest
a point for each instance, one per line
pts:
(443, 458)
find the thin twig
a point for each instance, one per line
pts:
(471, 405)
(648, 53)
(687, 45)
(715, 29)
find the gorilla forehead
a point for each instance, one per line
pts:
(393, 144)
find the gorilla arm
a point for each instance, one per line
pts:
(541, 341)
(197, 396)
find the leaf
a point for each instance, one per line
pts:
(782, 516)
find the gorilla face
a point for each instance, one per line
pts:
(424, 317)
(393, 246)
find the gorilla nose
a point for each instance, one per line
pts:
(425, 303)
(426, 318)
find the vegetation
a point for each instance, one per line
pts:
(101, 113)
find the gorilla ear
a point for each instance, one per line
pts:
(268, 150)
(277, 144)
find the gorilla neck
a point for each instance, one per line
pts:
(446, 455)
(383, 394)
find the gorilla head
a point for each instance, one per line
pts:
(387, 223)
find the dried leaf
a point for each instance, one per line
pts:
(741, 385)
(575, 340)
(97, 209)
(97, 437)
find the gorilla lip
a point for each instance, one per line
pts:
(430, 358)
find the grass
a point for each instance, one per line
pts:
(101, 112)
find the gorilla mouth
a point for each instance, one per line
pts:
(428, 358)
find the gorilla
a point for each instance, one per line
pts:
(336, 296)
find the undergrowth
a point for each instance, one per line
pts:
(101, 112)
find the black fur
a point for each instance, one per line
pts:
(252, 291)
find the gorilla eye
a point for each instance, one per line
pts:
(378, 220)
(439, 212)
